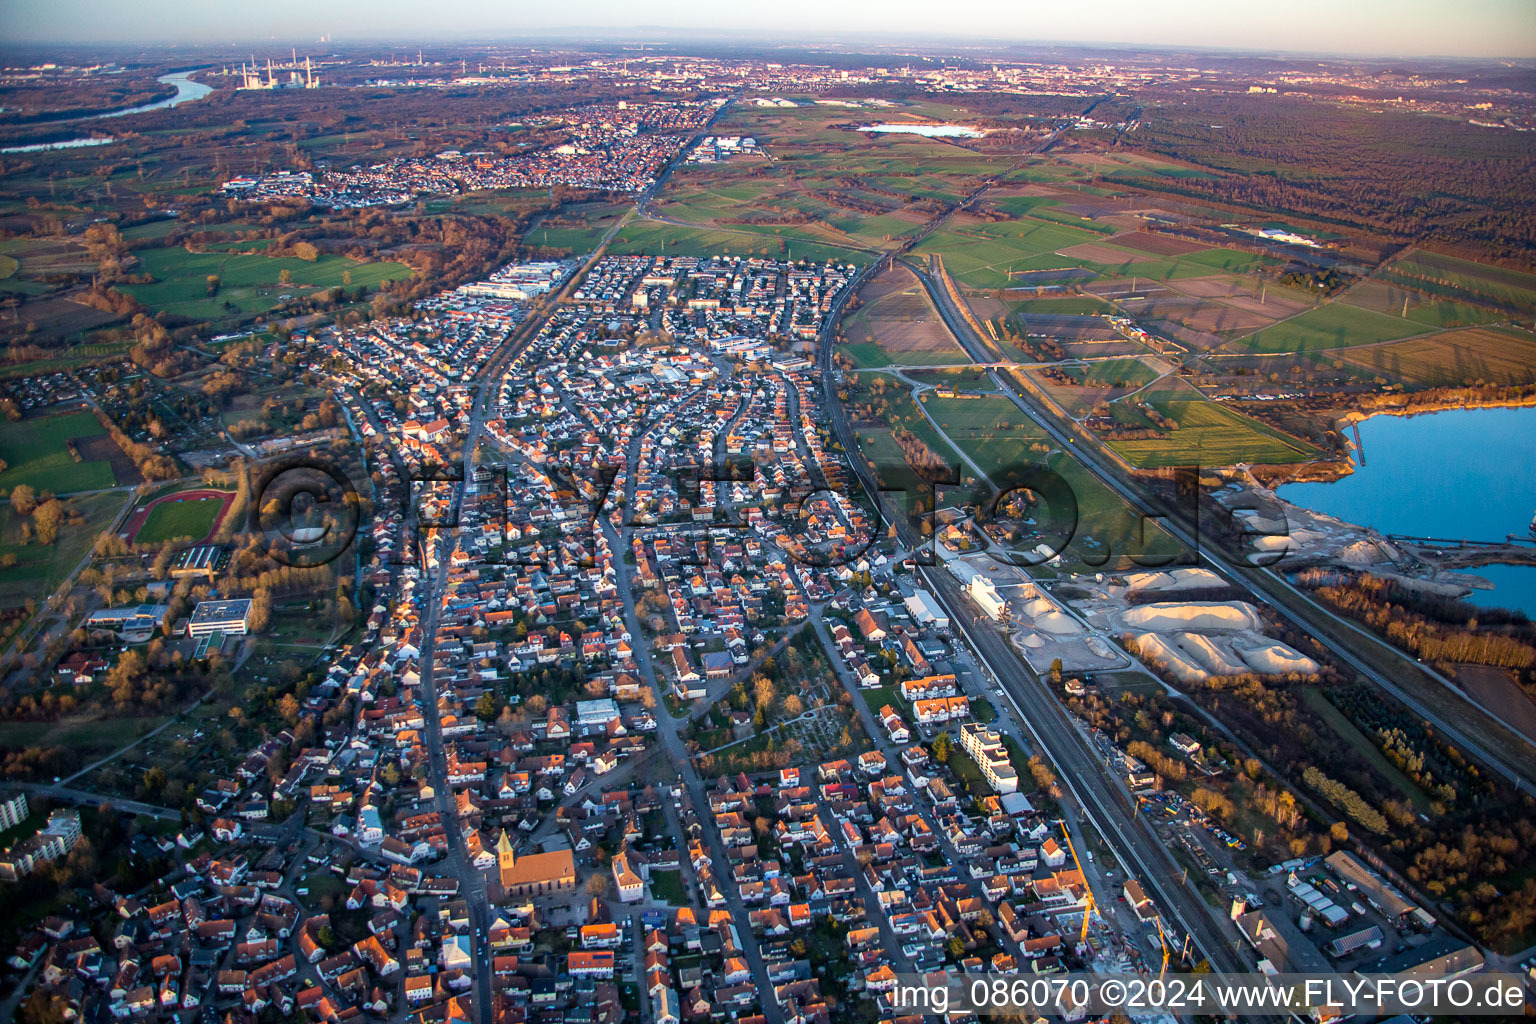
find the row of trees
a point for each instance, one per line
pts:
(1370, 599)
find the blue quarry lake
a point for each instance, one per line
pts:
(1458, 474)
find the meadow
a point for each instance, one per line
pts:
(36, 453)
(1127, 371)
(994, 432)
(1108, 528)
(1335, 325)
(39, 567)
(248, 282)
(596, 219)
(1209, 434)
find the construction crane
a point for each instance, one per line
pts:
(1088, 900)
(1163, 939)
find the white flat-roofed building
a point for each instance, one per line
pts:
(596, 712)
(220, 617)
(130, 618)
(926, 610)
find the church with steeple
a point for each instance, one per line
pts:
(533, 874)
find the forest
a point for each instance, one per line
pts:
(1405, 176)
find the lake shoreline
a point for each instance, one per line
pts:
(1466, 477)
(1328, 470)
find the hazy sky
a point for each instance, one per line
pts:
(1478, 28)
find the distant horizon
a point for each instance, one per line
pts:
(1491, 30)
(958, 46)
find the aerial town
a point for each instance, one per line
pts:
(511, 534)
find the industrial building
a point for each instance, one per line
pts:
(926, 610)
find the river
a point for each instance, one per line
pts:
(186, 91)
(1458, 474)
(42, 147)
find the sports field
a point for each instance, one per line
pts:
(36, 453)
(176, 519)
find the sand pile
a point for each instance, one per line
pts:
(1175, 617)
(1275, 658)
(1362, 552)
(1175, 579)
(1159, 651)
(1211, 654)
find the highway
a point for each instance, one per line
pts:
(1516, 765)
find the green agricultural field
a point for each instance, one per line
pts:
(1019, 206)
(1453, 278)
(655, 238)
(867, 354)
(1335, 325)
(191, 519)
(1210, 434)
(36, 453)
(1382, 297)
(994, 432)
(986, 255)
(1071, 305)
(1173, 268)
(1073, 220)
(249, 283)
(1127, 371)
